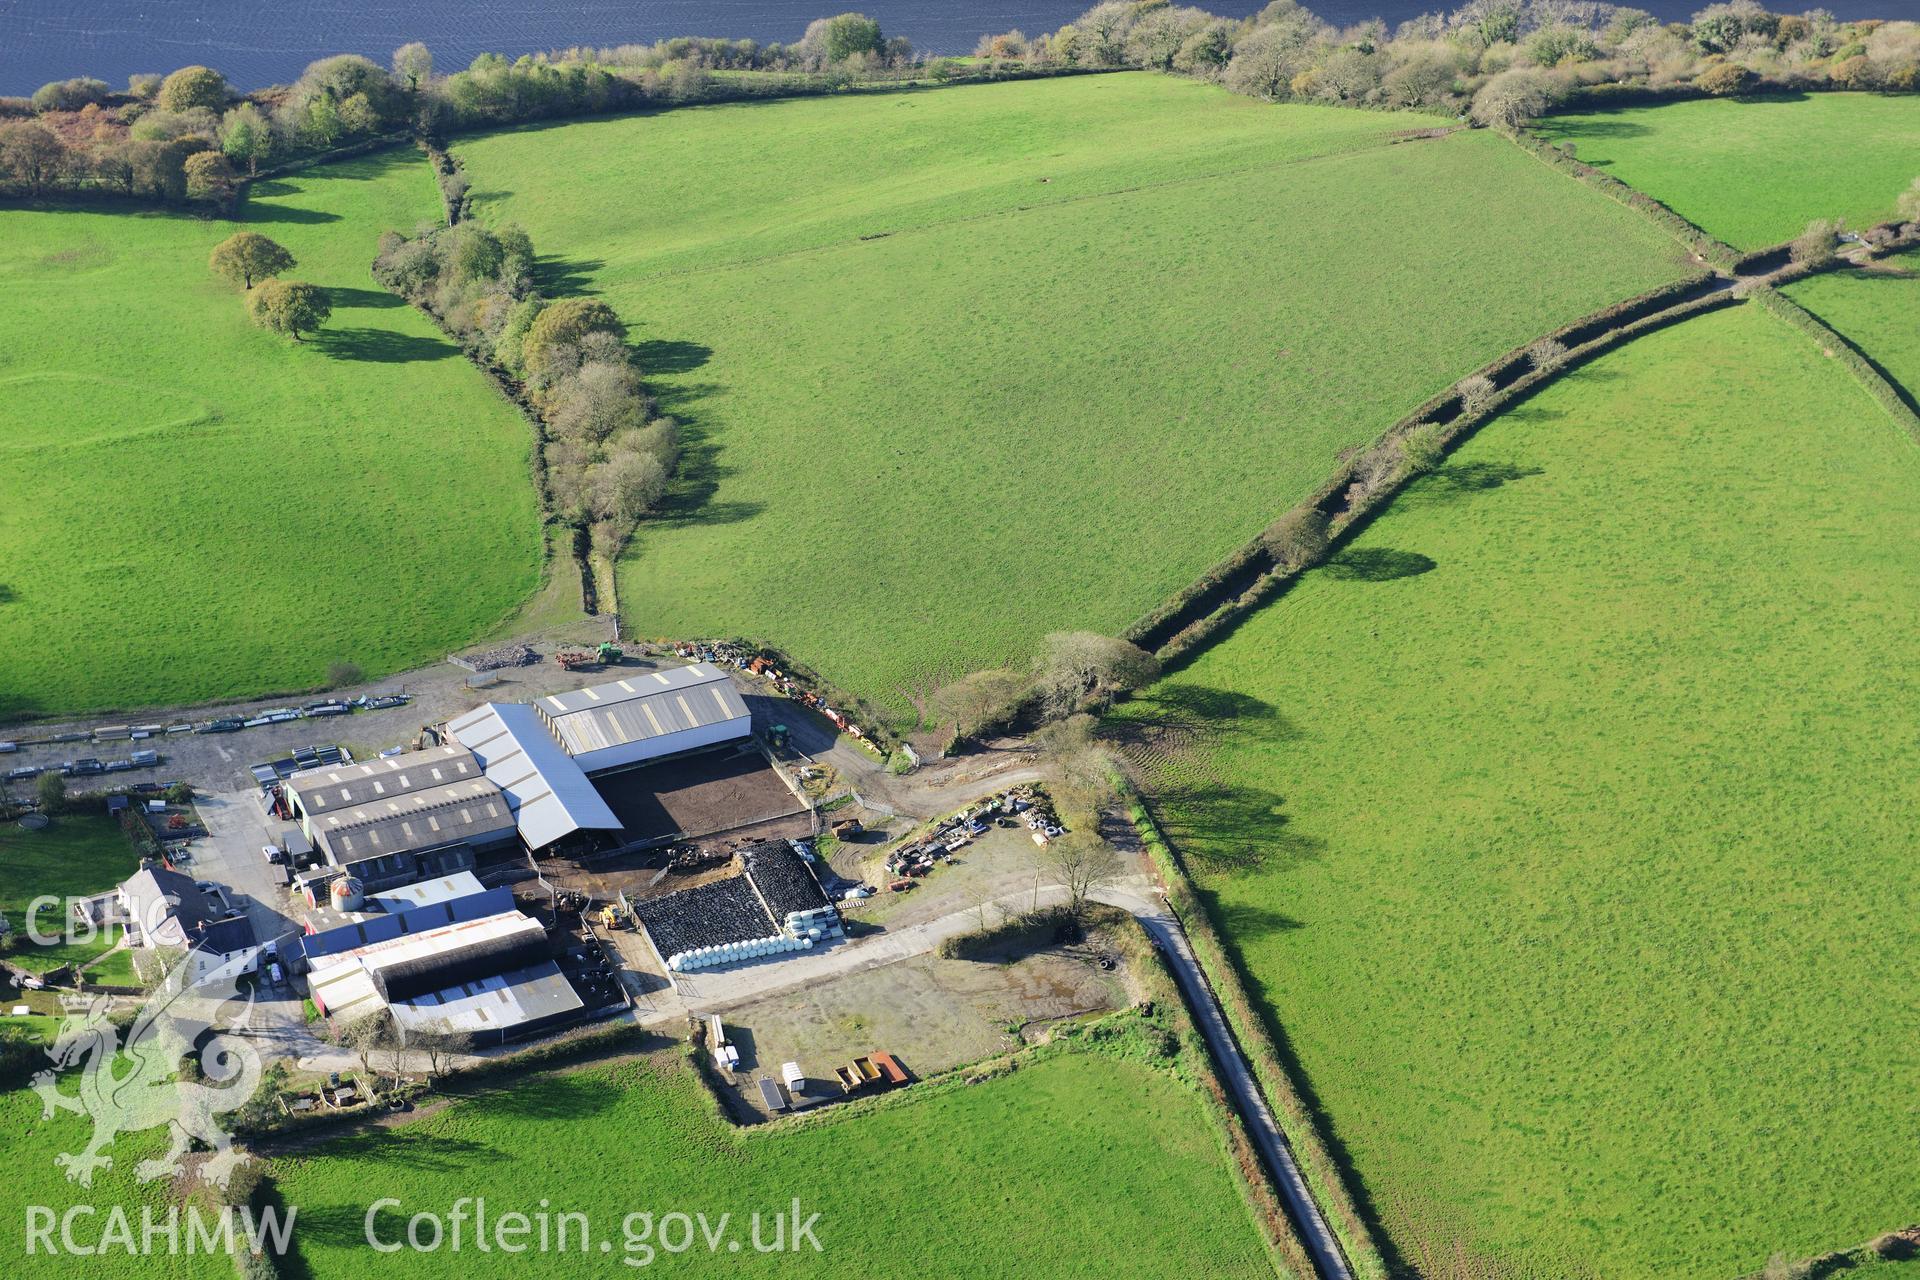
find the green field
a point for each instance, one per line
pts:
(1877, 311)
(968, 366)
(1080, 1164)
(191, 508)
(1754, 173)
(78, 856)
(1564, 822)
(28, 1145)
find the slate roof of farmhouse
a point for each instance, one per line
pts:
(637, 707)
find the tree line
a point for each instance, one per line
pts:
(1500, 62)
(607, 454)
(189, 137)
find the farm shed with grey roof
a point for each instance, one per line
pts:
(646, 716)
(548, 794)
(315, 792)
(472, 813)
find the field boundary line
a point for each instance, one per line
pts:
(1180, 627)
(1722, 257)
(1316, 1164)
(1874, 380)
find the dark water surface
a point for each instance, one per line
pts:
(262, 42)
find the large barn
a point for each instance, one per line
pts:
(646, 717)
(375, 820)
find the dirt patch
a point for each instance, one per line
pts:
(698, 795)
(932, 1014)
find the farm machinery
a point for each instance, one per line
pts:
(606, 654)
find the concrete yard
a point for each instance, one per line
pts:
(930, 1013)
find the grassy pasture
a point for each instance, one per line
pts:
(81, 854)
(969, 366)
(1754, 173)
(29, 1143)
(1879, 312)
(1081, 1164)
(1563, 822)
(191, 508)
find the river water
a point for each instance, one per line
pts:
(262, 42)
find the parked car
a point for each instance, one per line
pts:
(275, 974)
(273, 852)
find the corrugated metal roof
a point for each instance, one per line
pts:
(492, 1004)
(462, 812)
(335, 943)
(642, 707)
(549, 795)
(327, 790)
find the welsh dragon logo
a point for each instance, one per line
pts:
(132, 1085)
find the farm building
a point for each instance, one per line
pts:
(348, 918)
(774, 906)
(162, 908)
(546, 792)
(488, 976)
(361, 816)
(646, 717)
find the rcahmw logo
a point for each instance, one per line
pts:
(83, 1231)
(131, 1085)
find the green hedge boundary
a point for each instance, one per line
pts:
(1249, 577)
(1310, 1150)
(1722, 257)
(1837, 347)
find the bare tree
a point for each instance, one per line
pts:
(1084, 863)
(1814, 246)
(442, 1048)
(366, 1034)
(1476, 393)
(1548, 353)
(1083, 667)
(975, 701)
(1083, 772)
(1297, 538)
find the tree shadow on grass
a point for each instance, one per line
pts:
(7, 594)
(1263, 919)
(1460, 480)
(700, 472)
(344, 299)
(662, 355)
(382, 346)
(1377, 564)
(290, 214)
(565, 277)
(1174, 736)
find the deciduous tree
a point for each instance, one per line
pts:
(1084, 667)
(291, 307)
(246, 137)
(31, 155)
(247, 257)
(191, 87)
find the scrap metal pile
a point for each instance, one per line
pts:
(741, 658)
(1026, 803)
